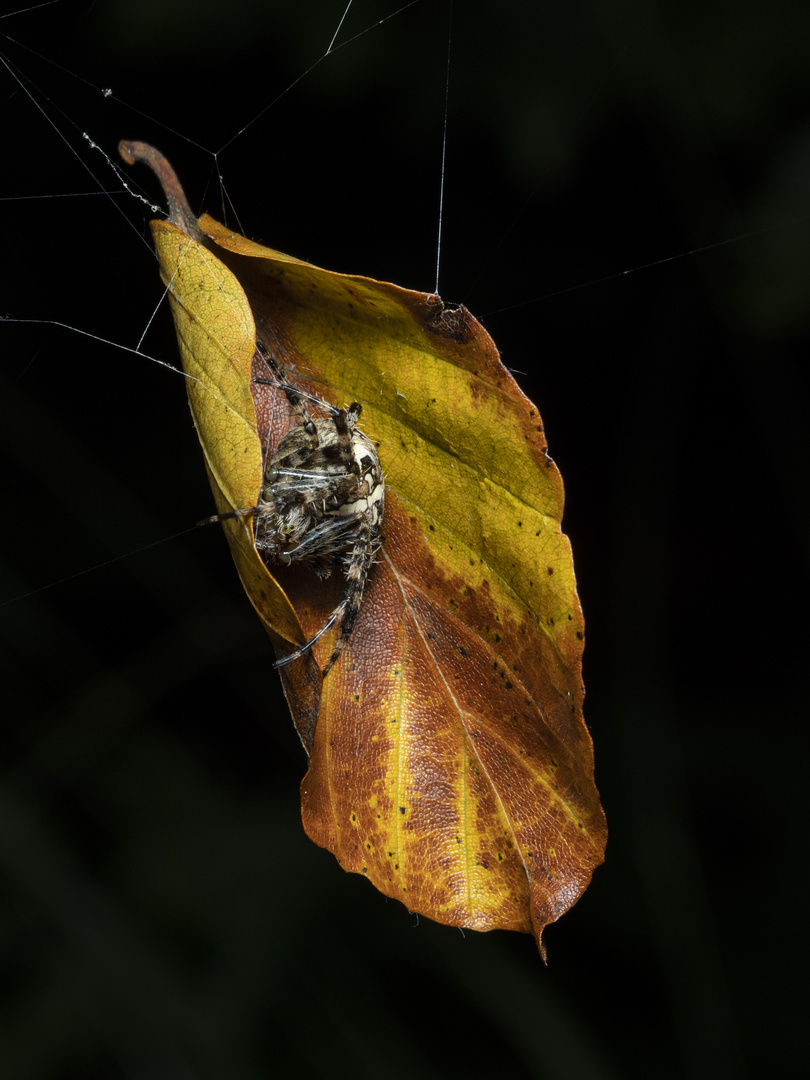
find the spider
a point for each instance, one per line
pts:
(321, 503)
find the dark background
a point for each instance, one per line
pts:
(161, 912)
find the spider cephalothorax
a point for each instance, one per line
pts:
(322, 505)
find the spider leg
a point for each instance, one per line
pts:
(345, 420)
(359, 564)
(326, 540)
(299, 406)
(249, 511)
(330, 622)
(294, 396)
(288, 388)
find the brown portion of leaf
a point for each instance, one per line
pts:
(450, 763)
(433, 775)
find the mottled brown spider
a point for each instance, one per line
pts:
(321, 503)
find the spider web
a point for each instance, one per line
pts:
(581, 144)
(215, 135)
(235, 131)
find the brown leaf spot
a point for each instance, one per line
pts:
(455, 324)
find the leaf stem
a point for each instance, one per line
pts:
(180, 213)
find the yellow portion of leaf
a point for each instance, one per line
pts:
(217, 338)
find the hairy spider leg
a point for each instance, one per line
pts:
(361, 559)
(248, 511)
(295, 396)
(345, 422)
(298, 399)
(330, 622)
(359, 563)
(306, 468)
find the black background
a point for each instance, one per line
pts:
(163, 914)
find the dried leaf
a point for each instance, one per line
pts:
(449, 761)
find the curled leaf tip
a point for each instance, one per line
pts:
(180, 213)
